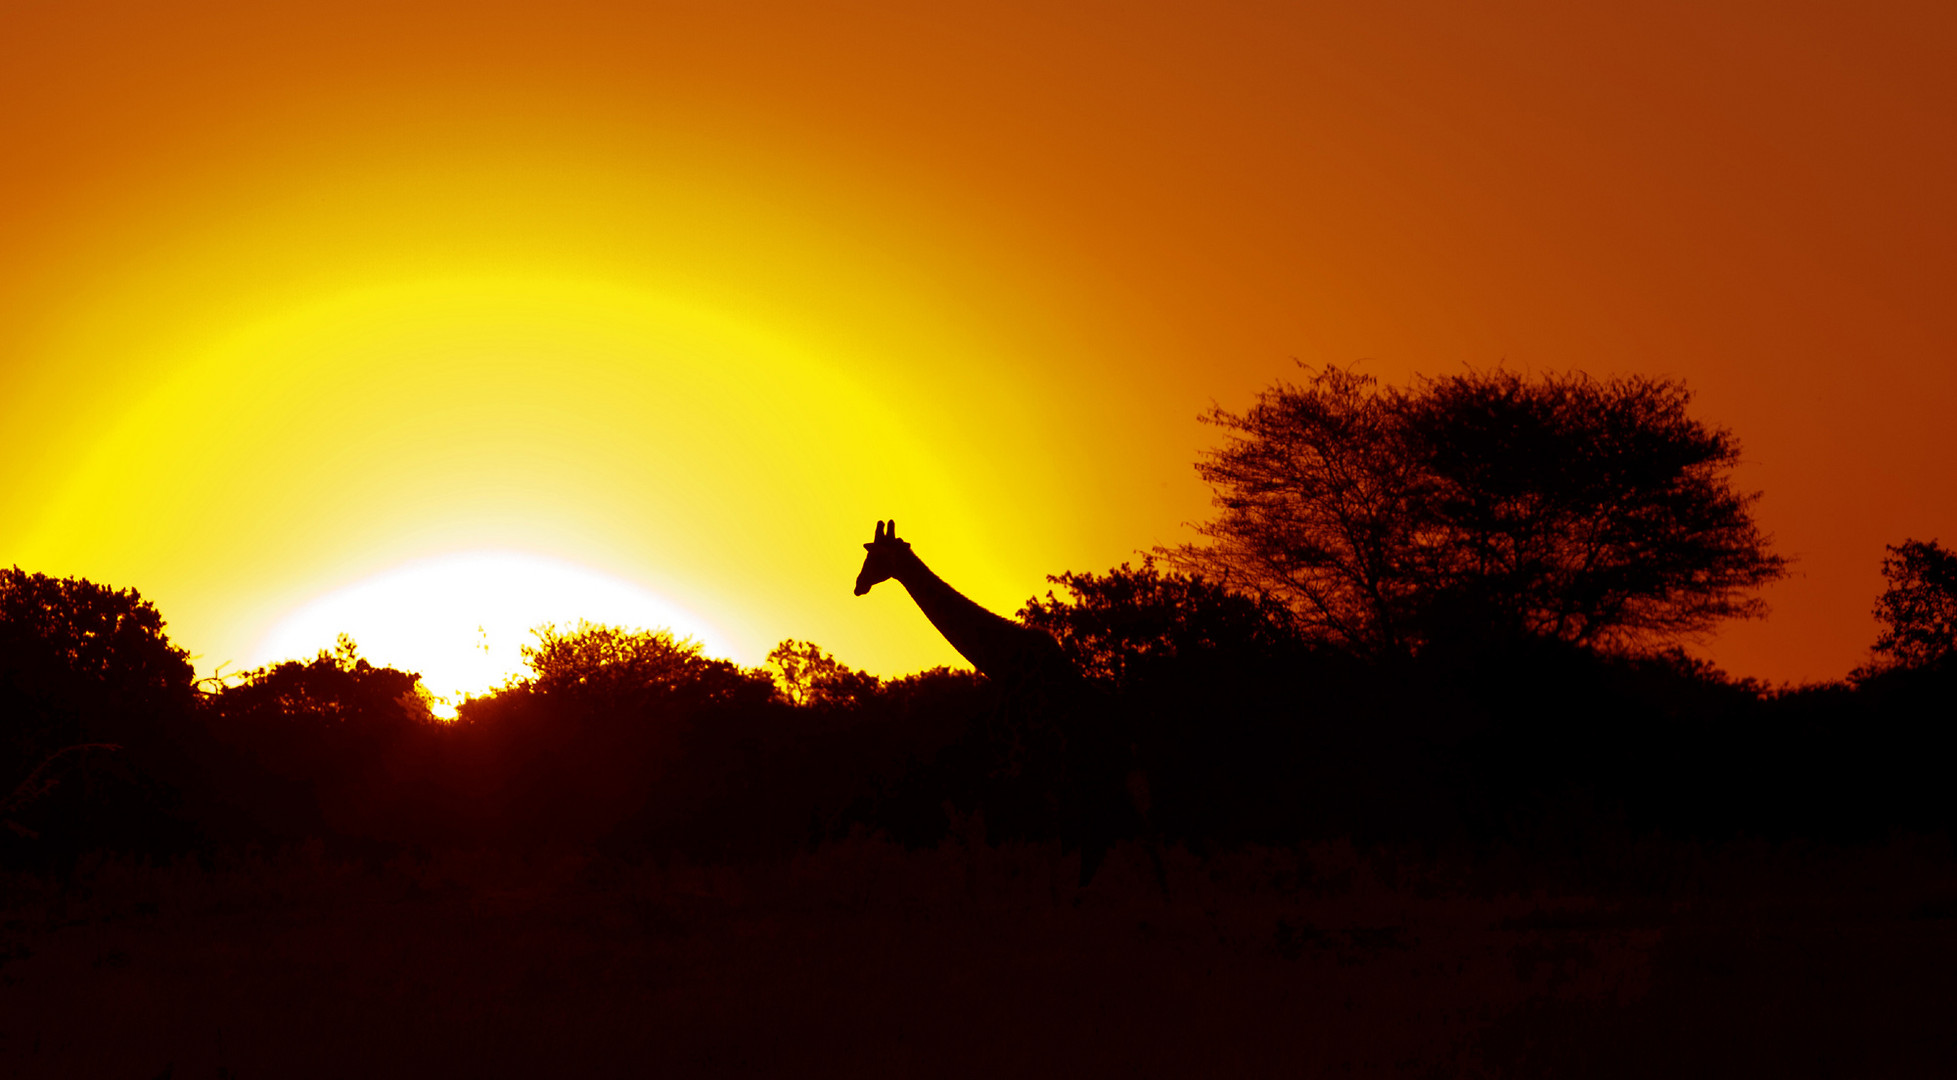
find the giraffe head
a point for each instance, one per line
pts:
(886, 554)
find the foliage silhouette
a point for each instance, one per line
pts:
(632, 738)
(1216, 718)
(622, 667)
(1118, 627)
(1591, 511)
(1498, 703)
(809, 676)
(312, 746)
(83, 664)
(1918, 611)
(1218, 696)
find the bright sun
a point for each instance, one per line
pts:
(461, 620)
(335, 459)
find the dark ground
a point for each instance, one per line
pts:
(865, 960)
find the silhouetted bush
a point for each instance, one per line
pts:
(1873, 755)
(588, 744)
(805, 675)
(324, 746)
(82, 663)
(1224, 704)
(632, 738)
(1201, 716)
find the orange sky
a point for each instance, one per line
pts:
(291, 295)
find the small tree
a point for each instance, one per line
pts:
(615, 666)
(808, 676)
(95, 704)
(1128, 623)
(1593, 511)
(1918, 611)
(316, 746)
(82, 662)
(337, 690)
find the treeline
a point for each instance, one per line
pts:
(614, 736)
(1441, 614)
(1238, 729)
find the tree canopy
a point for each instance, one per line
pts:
(79, 662)
(337, 689)
(1119, 626)
(1594, 511)
(618, 666)
(1918, 611)
(94, 710)
(805, 675)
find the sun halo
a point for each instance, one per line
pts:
(420, 422)
(460, 621)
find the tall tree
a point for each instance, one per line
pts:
(1593, 511)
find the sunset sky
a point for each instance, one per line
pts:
(656, 308)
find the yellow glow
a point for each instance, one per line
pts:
(674, 358)
(1042, 241)
(431, 417)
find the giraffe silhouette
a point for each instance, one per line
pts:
(1053, 745)
(1001, 649)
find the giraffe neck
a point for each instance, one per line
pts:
(998, 647)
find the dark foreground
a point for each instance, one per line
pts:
(865, 960)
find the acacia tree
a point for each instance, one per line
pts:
(1593, 511)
